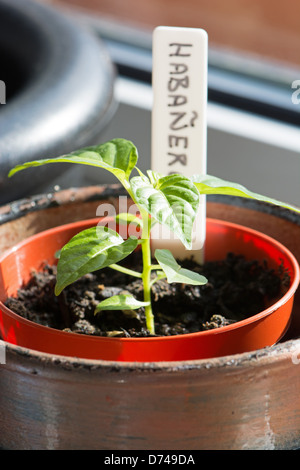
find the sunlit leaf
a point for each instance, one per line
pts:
(88, 251)
(119, 156)
(171, 200)
(174, 272)
(212, 185)
(120, 302)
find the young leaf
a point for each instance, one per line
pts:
(119, 156)
(174, 272)
(171, 200)
(88, 251)
(120, 302)
(212, 185)
(154, 176)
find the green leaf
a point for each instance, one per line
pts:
(212, 185)
(119, 156)
(174, 272)
(154, 177)
(171, 200)
(88, 251)
(120, 302)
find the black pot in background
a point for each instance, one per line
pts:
(59, 91)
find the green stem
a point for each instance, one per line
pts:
(156, 266)
(124, 270)
(146, 254)
(146, 274)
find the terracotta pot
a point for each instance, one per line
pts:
(260, 330)
(241, 401)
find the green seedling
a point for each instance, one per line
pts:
(170, 200)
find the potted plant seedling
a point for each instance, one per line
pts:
(170, 200)
(53, 401)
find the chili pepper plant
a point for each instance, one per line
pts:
(170, 200)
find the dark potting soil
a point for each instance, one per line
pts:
(236, 289)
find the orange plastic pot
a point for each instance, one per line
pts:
(258, 331)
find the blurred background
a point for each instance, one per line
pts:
(90, 81)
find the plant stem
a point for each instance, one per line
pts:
(156, 266)
(124, 270)
(146, 274)
(146, 255)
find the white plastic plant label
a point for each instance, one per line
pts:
(179, 123)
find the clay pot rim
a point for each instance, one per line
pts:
(259, 357)
(21, 207)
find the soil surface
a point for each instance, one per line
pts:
(236, 289)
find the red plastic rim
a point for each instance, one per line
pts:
(258, 331)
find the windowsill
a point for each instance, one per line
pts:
(220, 117)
